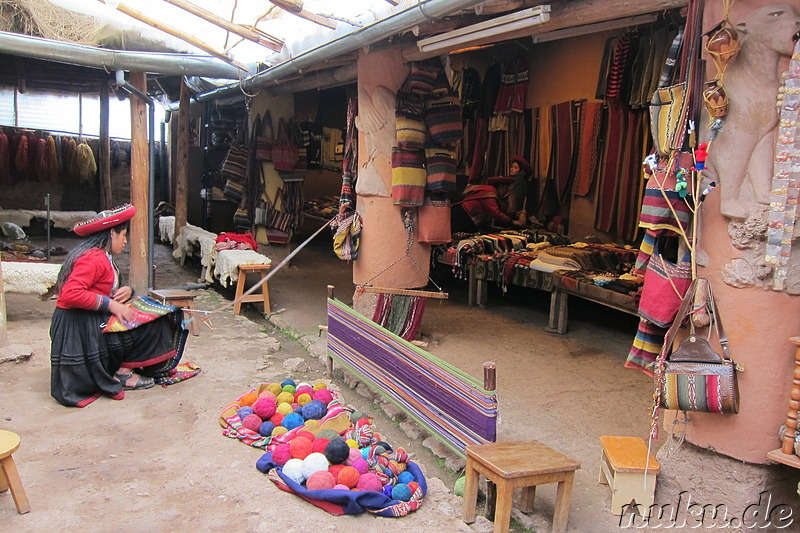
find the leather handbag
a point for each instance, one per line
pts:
(284, 151)
(694, 376)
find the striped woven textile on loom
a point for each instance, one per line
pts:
(451, 404)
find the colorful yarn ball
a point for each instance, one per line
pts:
(387, 490)
(401, 492)
(413, 486)
(384, 445)
(274, 388)
(279, 430)
(305, 433)
(395, 468)
(320, 385)
(319, 445)
(284, 408)
(341, 487)
(352, 443)
(304, 388)
(288, 388)
(401, 456)
(300, 447)
(292, 420)
(323, 395)
(354, 454)
(369, 481)
(288, 382)
(329, 434)
(337, 451)
(293, 469)
(348, 476)
(334, 470)
(276, 419)
(364, 452)
(267, 394)
(244, 411)
(303, 398)
(405, 477)
(265, 429)
(281, 454)
(320, 480)
(252, 422)
(248, 399)
(361, 465)
(314, 410)
(285, 397)
(314, 463)
(264, 408)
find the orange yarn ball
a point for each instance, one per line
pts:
(335, 469)
(348, 476)
(248, 399)
(300, 447)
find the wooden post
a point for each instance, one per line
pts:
(182, 163)
(106, 200)
(330, 359)
(140, 178)
(490, 383)
(3, 320)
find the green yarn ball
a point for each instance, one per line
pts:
(458, 489)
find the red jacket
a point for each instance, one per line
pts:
(481, 203)
(90, 283)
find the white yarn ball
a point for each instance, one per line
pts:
(314, 462)
(293, 469)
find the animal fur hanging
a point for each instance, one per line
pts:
(86, 165)
(21, 157)
(52, 160)
(42, 171)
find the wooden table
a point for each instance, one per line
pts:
(521, 464)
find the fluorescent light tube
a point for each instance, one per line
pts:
(586, 29)
(495, 27)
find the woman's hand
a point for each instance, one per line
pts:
(125, 313)
(123, 294)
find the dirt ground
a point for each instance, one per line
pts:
(157, 461)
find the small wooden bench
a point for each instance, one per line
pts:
(623, 466)
(179, 298)
(261, 295)
(9, 476)
(513, 465)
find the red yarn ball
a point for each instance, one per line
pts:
(264, 407)
(368, 481)
(307, 434)
(334, 470)
(276, 419)
(252, 422)
(281, 454)
(349, 476)
(320, 480)
(300, 447)
(319, 445)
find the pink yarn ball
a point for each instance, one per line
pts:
(303, 389)
(319, 445)
(264, 407)
(341, 487)
(355, 454)
(276, 419)
(306, 434)
(281, 454)
(267, 394)
(324, 396)
(252, 422)
(361, 465)
(320, 480)
(369, 481)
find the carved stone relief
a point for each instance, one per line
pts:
(741, 158)
(375, 121)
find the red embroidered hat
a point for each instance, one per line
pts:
(105, 219)
(500, 180)
(522, 162)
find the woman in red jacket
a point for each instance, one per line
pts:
(482, 207)
(85, 362)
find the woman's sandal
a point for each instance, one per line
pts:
(141, 384)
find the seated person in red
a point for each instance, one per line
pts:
(85, 362)
(482, 207)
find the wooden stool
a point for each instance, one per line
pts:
(622, 467)
(9, 477)
(178, 298)
(524, 465)
(262, 297)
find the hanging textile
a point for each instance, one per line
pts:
(347, 200)
(564, 146)
(591, 114)
(616, 75)
(629, 199)
(513, 87)
(400, 314)
(5, 167)
(646, 347)
(52, 160)
(612, 162)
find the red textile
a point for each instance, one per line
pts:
(480, 202)
(241, 238)
(90, 282)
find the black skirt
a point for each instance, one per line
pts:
(83, 359)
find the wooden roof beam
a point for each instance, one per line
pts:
(258, 37)
(141, 17)
(295, 7)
